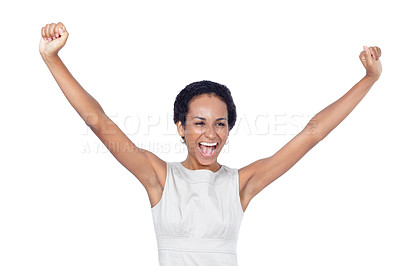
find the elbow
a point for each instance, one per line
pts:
(94, 120)
(314, 132)
(319, 136)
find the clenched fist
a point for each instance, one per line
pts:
(370, 60)
(54, 37)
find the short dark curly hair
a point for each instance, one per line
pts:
(181, 105)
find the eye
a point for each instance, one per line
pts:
(221, 124)
(199, 123)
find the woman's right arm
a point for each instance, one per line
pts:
(146, 166)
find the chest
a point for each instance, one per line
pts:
(198, 210)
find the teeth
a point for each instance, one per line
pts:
(208, 144)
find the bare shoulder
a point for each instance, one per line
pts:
(245, 174)
(159, 166)
(155, 189)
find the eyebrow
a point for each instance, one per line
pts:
(202, 118)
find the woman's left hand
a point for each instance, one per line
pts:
(370, 59)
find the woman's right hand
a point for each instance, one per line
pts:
(54, 37)
(370, 60)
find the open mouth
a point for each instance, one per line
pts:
(207, 149)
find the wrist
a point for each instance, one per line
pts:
(49, 57)
(371, 79)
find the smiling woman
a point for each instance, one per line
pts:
(198, 204)
(203, 121)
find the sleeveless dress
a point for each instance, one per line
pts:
(198, 218)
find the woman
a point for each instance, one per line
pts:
(198, 204)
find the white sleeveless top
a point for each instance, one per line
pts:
(198, 218)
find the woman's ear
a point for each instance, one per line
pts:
(181, 130)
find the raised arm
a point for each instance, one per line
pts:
(256, 176)
(147, 167)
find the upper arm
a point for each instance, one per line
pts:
(263, 172)
(146, 166)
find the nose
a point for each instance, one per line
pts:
(209, 132)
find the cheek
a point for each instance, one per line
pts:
(194, 132)
(191, 136)
(222, 132)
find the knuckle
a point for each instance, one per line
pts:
(51, 30)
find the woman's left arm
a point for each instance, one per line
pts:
(263, 172)
(326, 120)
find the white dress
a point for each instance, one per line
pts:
(198, 218)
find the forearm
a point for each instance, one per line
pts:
(330, 117)
(86, 106)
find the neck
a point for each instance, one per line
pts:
(195, 165)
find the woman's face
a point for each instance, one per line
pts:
(206, 129)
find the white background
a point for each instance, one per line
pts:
(65, 200)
